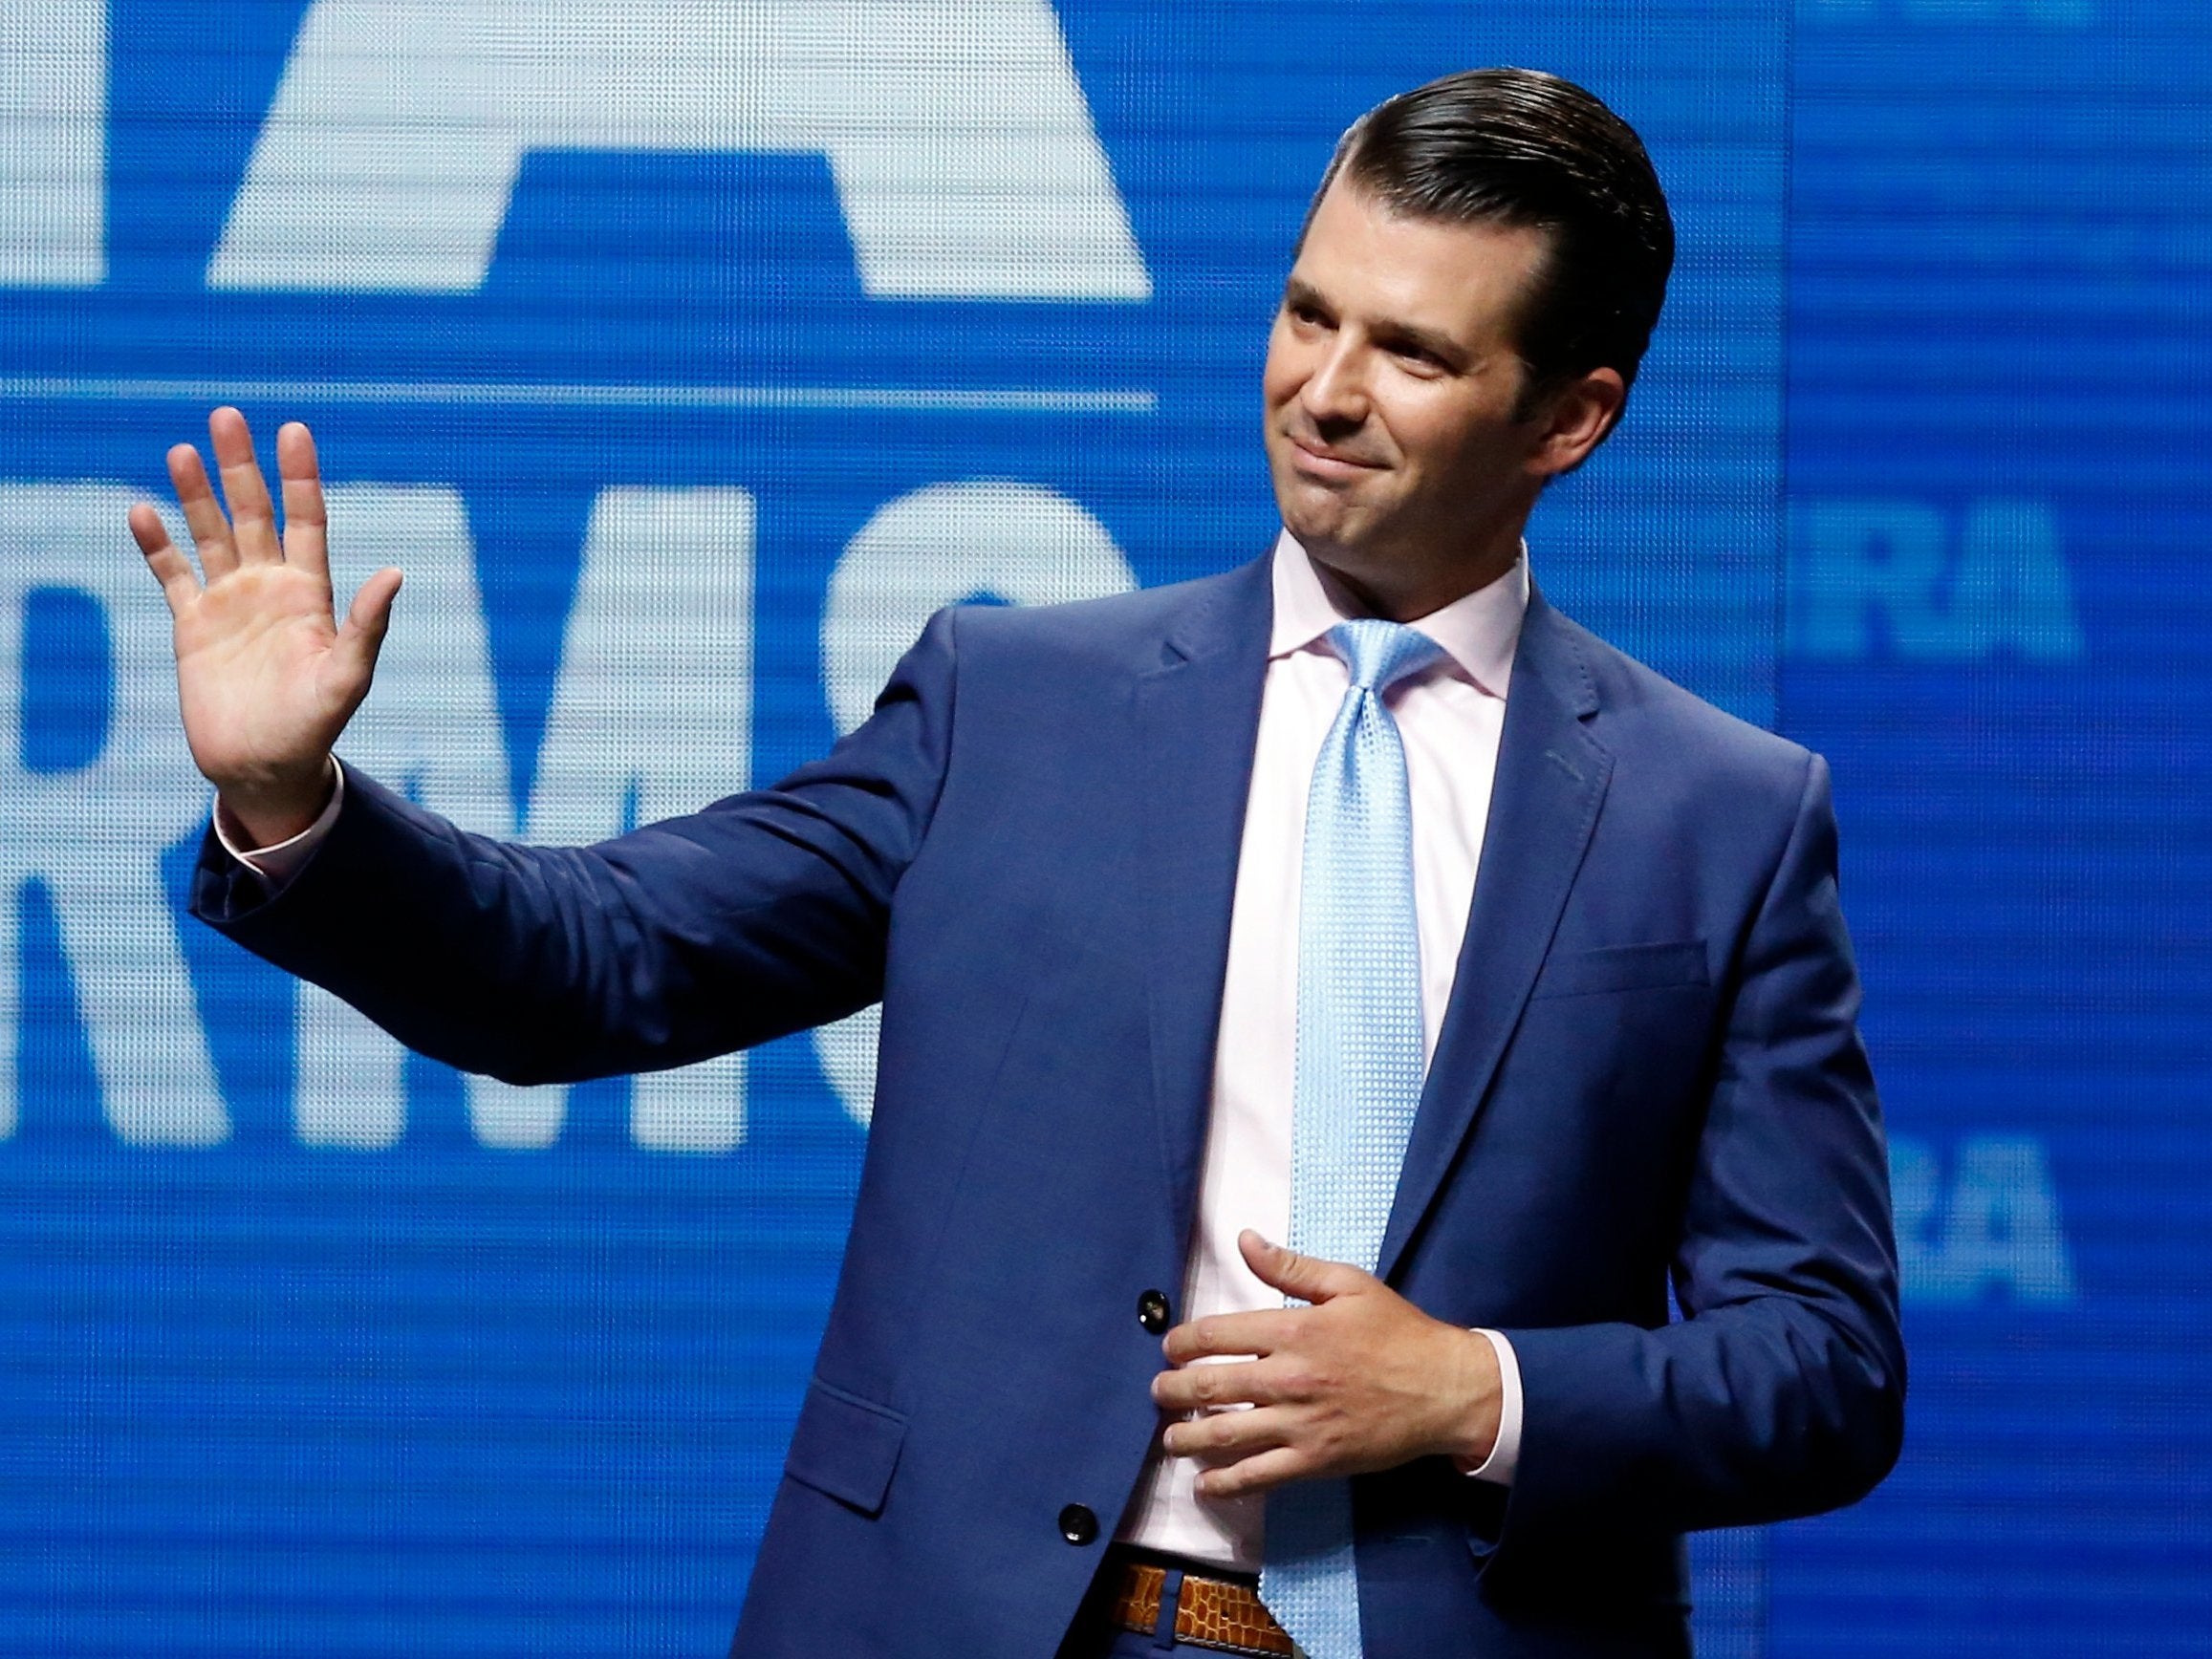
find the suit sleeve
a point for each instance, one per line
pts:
(1781, 1391)
(763, 913)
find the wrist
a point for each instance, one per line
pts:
(1470, 1432)
(266, 813)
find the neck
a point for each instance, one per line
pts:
(1404, 591)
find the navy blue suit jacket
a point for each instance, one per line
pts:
(1649, 1067)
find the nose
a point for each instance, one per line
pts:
(1336, 393)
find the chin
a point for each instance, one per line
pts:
(1316, 517)
(1332, 532)
(1313, 533)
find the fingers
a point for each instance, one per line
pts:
(1224, 1436)
(1205, 1388)
(170, 567)
(247, 533)
(1278, 1438)
(252, 514)
(202, 516)
(361, 635)
(1259, 1472)
(1228, 1334)
(1308, 1278)
(306, 520)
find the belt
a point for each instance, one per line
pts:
(1208, 1612)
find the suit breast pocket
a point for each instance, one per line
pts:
(1617, 968)
(846, 1447)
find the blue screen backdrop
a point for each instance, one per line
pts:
(687, 354)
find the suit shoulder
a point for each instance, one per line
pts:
(1646, 714)
(1124, 631)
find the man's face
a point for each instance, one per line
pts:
(1391, 389)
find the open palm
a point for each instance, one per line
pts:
(267, 676)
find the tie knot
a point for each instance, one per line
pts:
(1381, 653)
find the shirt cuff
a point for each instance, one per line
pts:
(1506, 1451)
(277, 865)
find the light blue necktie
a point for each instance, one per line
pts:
(1358, 1077)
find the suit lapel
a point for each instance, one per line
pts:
(1199, 719)
(1550, 779)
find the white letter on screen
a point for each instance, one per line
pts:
(986, 539)
(956, 132)
(430, 729)
(95, 836)
(2013, 592)
(652, 717)
(1995, 1230)
(1853, 562)
(52, 144)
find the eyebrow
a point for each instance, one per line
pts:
(1391, 330)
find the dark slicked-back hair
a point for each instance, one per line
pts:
(1518, 147)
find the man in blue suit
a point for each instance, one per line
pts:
(1354, 900)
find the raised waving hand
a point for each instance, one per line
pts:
(267, 675)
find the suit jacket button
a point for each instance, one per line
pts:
(1077, 1524)
(1152, 1311)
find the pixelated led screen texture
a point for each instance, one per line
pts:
(686, 356)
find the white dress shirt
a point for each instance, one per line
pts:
(280, 861)
(1449, 718)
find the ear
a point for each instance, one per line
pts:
(1573, 421)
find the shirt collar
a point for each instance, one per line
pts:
(1479, 631)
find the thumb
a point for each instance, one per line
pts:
(368, 619)
(1308, 1278)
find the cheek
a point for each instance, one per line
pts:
(1427, 445)
(1289, 366)
(1469, 451)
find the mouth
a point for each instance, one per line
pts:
(1316, 461)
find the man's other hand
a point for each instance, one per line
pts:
(266, 675)
(1358, 1381)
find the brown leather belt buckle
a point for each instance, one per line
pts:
(1217, 1613)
